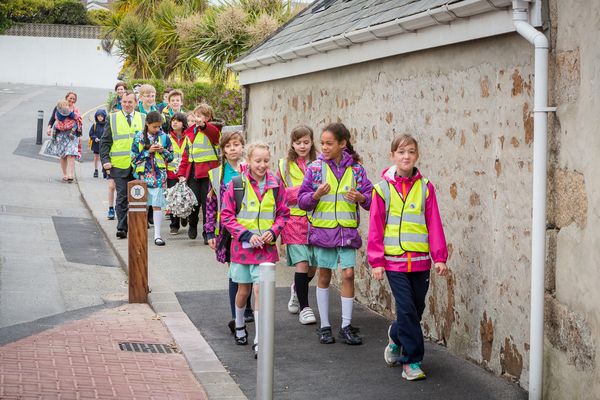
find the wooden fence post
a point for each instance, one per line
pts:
(137, 217)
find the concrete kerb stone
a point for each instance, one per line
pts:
(201, 359)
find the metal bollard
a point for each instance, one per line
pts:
(40, 127)
(266, 340)
(137, 218)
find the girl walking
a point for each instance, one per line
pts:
(254, 227)
(302, 152)
(65, 128)
(405, 233)
(333, 188)
(219, 239)
(96, 131)
(150, 151)
(179, 141)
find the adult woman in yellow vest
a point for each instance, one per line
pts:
(254, 229)
(405, 229)
(150, 152)
(302, 152)
(333, 188)
(115, 153)
(180, 143)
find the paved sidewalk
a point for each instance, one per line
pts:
(82, 360)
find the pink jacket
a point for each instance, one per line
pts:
(239, 232)
(296, 230)
(377, 217)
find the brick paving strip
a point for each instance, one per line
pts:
(82, 360)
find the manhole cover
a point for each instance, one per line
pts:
(147, 347)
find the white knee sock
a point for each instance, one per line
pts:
(157, 222)
(323, 305)
(347, 303)
(256, 324)
(239, 320)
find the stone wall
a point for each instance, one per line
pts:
(470, 107)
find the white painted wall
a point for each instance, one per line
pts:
(57, 61)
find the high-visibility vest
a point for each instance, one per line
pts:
(333, 209)
(177, 154)
(292, 177)
(201, 149)
(256, 216)
(158, 159)
(405, 227)
(214, 175)
(123, 134)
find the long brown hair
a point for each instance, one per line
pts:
(298, 133)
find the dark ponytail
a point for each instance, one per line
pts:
(342, 133)
(152, 117)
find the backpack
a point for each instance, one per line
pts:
(239, 189)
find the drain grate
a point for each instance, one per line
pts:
(147, 347)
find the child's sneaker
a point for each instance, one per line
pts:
(392, 352)
(174, 231)
(95, 173)
(255, 348)
(241, 340)
(111, 213)
(348, 336)
(307, 316)
(293, 304)
(325, 335)
(412, 371)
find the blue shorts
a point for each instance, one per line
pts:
(330, 257)
(156, 197)
(244, 273)
(297, 253)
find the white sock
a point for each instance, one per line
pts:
(239, 320)
(323, 305)
(157, 222)
(256, 325)
(347, 303)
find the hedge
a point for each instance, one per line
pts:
(70, 12)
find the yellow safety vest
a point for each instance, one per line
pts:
(158, 159)
(256, 216)
(292, 177)
(202, 149)
(177, 154)
(333, 209)
(214, 175)
(123, 134)
(405, 227)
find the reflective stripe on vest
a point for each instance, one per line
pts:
(201, 149)
(177, 154)
(333, 209)
(405, 228)
(123, 134)
(292, 177)
(256, 216)
(215, 180)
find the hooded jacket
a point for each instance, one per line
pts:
(377, 218)
(338, 236)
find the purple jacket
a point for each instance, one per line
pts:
(338, 236)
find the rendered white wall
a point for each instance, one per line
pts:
(57, 61)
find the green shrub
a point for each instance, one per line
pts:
(98, 17)
(28, 11)
(227, 103)
(69, 12)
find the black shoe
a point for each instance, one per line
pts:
(348, 336)
(192, 232)
(205, 241)
(249, 318)
(184, 222)
(95, 173)
(255, 348)
(121, 234)
(159, 242)
(231, 326)
(241, 341)
(325, 335)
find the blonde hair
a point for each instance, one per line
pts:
(404, 140)
(257, 145)
(146, 88)
(205, 110)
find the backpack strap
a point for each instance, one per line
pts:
(238, 192)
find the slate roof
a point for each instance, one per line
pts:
(326, 18)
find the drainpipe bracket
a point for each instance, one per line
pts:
(544, 109)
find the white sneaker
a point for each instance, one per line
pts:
(293, 304)
(307, 316)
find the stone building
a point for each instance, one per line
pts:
(457, 76)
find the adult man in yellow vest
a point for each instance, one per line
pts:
(115, 153)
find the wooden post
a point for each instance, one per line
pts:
(137, 217)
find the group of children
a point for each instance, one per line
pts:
(312, 202)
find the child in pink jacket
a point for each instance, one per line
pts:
(405, 233)
(254, 230)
